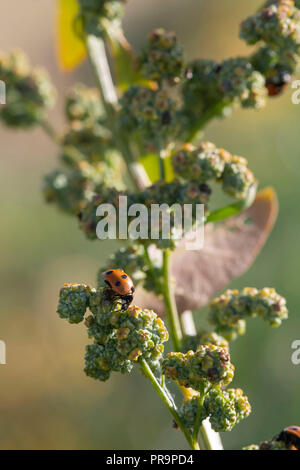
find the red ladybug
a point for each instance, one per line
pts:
(121, 284)
(277, 83)
(291, 437)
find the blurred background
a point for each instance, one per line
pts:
(46, 401)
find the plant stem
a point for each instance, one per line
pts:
(170, 303)
(209, 439)
(199, 413)
(166, 400)
(98, 59)
(205, 441)
(207, 116)
(151, 267)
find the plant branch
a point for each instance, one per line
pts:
(170, 303)
(199, 413)
(166, 400)
(209, 439)
(98, 59)
(212, 112)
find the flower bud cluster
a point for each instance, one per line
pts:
(73, 302)
(170, 193)
(150, 113)
(224, 409)
(162, 57)
(83, 104)
(210, 85)
(29, 92)
(268, 445)
(71, 189)
(229, 311)
(206, 162)
(95, 12)
(208, 365)
(120, 336)
(277, 27)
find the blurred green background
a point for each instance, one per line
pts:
(45, 399)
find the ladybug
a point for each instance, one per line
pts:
(291, 437)
(276, 84)
(120, 283)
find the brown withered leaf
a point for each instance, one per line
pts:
(229, 250)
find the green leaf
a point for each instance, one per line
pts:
(150, 163)
(233, 209)
(125, 64)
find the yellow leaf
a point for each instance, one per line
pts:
(70, 48)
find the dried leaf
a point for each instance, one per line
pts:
(229, 250)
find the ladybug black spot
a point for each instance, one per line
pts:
(108, 272)
(117, 284)
(166, 118)
(204, 188)
(124, 276)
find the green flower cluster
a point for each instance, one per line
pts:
(120, 336)
(170, 193)
(89, 138)
(95, 12)
(202, 338)
(277, 26)
(218, 86)
(85, 131)
(83, 104)
(133, 257)
(73, 302)
(150, 113)
(229, 311)
(224, 409)
(206, 162)
(71, 189)
(162, 57)
(239, 82)
(29, 92)
(199, 87)
(268, 445)
(210, 364)
(85, 153)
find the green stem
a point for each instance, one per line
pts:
(166, 400)
(206, 117)
(199, 413)
(170, 303)
(98, 59)
(206, 443)
(151, 267)
(161, 162)
(204, 440)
